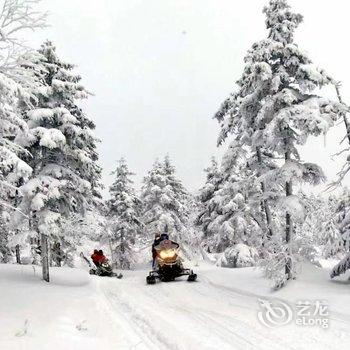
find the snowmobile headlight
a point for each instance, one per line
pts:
(169, 253)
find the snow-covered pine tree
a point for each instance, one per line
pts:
(180, 199)
(274, 110)
(292, 111)
(342, 217)
(5, 252)
(152, 207)
(334, 244)
(237, 117)
(310, 231)
(16, 17)
(164, 200)
(341, 267)
(214, 180)
(318, 236)
(192, 242)
(124, 215)
(323, 222)
(234, 214)
(13, 170)
(60, 139)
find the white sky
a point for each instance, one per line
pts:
(159, 70)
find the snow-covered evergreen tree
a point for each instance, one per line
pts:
(164, 200)
(12, 167)
(274, 110)
(342, 217)
(341, 267)
(334, 243)
(16, 17)
(124, 213)
(309, 233)
(214, 179)
(316, 215)
(179, 198)
(235, 216)
(192, 242)
(13, 170)
(62, 146)
(5, 252)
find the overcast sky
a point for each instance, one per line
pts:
(159, 70)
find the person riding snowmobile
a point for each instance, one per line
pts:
(167, 264)
(98, 257)
(94, 257)
(165, 237)
(103, 266)
(162, 237)
(154, 252)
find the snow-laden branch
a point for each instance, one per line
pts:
(13, 208)
(341, 267)
(346, 167)
(7, 184)
(344, 115)
(17, 16)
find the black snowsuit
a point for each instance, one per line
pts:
(154, 252)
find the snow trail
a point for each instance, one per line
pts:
(205, 314)
(79, 311)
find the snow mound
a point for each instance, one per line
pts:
(66, 313)
(341, 267)
(238, 256)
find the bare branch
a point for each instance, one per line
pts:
(13, 208)
(346, 167)
(340, 153)
(340, 177)
(16, 17)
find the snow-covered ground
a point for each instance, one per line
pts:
(79, 311)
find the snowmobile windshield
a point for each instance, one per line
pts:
(167, 244)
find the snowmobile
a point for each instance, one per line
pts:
(104, 269)
(169, 264)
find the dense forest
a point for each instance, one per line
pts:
(253, 209)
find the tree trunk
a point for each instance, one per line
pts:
(45, 257)
(18, 254)
(264, 204)
(17, 248)
(345, 119)
(289, 223)
(60, 254)
(112, 251)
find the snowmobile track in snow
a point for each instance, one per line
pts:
(163, 319)
(205, 315)
(140, 324)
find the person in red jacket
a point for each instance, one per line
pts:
(98, 257)
(94, 256)
(102, 257)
